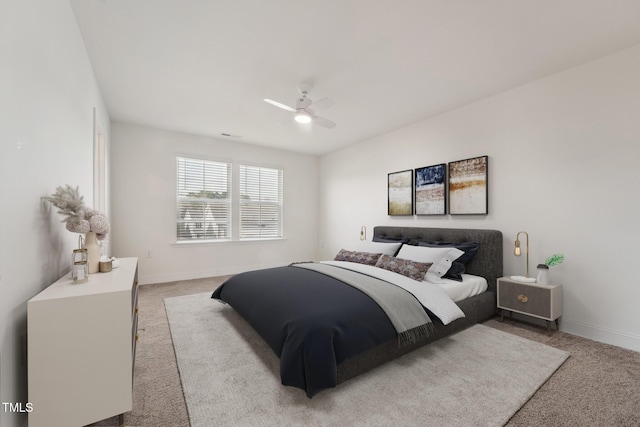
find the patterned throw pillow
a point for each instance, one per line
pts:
(412, 269)
(367, 258)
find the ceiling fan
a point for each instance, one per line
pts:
(303, 111)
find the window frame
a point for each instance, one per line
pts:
(223, 203)
(234, 202)
(278, 204)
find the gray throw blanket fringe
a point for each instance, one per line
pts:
(416, 334)
(405, 312)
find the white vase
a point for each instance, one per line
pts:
(543, 274)
(93, 251)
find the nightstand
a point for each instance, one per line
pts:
(531, 299)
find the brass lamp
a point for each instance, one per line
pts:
(517, 250)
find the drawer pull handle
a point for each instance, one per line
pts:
(523, 298)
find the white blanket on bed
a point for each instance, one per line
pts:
(430, 295)
(470, 286)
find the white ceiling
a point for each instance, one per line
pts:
(205, 66)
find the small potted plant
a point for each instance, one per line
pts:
(543, 269)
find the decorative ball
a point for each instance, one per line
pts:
(99, 223)
(88, 213)
(78, 225)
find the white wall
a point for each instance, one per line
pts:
(144, 206)
(47, 96)
(563, 166)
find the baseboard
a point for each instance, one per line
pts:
(604, 335)
(149, 279)
(585, 330)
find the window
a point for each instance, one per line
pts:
(260, 202)
(203, 200)
(209, 208)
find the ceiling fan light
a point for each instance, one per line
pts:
(302, 117)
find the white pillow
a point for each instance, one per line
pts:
(379, 247)
(441, 258)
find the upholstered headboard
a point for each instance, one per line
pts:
(487, 261)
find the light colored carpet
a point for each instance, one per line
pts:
(230, 377)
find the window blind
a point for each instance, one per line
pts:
(260, 202)
(203, 200)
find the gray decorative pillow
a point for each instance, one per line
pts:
(412, 269)
(367, 258)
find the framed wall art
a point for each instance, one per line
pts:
(400, 193)
(431, 191)
(468, 186)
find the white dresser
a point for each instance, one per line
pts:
(81, 348)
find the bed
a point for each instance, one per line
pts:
(333, 320)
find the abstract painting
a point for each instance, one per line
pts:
(431, 193)
(400, 193)
(468, 186)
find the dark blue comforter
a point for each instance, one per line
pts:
(312, 321)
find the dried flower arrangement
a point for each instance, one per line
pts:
(79, 218)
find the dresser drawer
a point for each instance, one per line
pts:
(542, 301)
(134, 294)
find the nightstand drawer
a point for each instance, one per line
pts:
(527, 299)
(543, 301)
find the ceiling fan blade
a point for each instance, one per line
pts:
(323, 103)
(280, 105)
(323, 122)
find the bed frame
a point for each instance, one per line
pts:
(487, 263)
